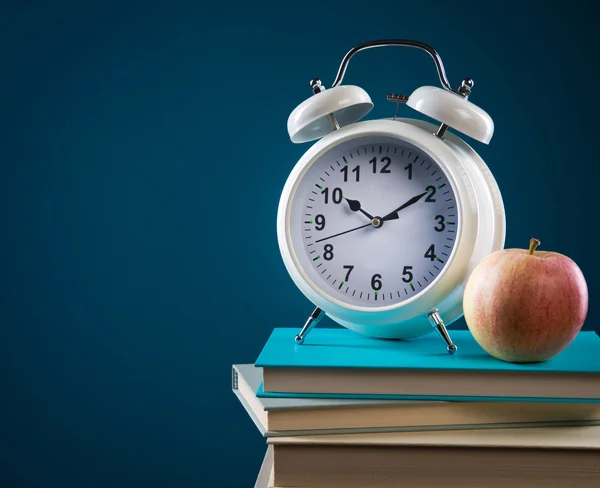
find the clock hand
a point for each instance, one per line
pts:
(355, 207)
(375, 221)
(345, 232)
(393, 215)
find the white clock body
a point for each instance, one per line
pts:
(383, 280)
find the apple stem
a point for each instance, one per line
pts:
(533, 243)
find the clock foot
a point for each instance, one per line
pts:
(313, 320)
(438, 324)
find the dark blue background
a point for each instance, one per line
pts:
(143, 151)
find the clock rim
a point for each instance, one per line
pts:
(451, 274)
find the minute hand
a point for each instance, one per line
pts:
(394, 214)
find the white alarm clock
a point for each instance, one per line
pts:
(381, 222)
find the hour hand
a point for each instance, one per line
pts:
(355, 207)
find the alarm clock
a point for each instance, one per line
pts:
(381, 222)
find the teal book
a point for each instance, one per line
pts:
(278, 417)
(339, 363)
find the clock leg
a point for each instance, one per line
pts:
(438, 324)
(313, 320)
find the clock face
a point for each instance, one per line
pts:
(374, 221)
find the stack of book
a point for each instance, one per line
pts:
(345, 410)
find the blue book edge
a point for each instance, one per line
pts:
(340, 348)
(260, 393)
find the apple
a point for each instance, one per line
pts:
(525, 305)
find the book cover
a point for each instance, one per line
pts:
(343, 348)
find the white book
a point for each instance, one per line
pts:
(266, 476)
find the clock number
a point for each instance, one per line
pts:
(387, 162)
(374, 163)
(345, 171)
(328, 254)
(355, 170)
(430, 196)
(376, 282)
(336, 195)
(409, 169)
(384, 169)
(407, 275)
(320, 222)
(349, 268)
(430, 253)
(440, 219)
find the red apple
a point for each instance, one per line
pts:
(525, 305)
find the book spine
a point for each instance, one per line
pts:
(234, 378)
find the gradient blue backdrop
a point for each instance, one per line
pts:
(143, 151)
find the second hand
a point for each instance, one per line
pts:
(345, 232)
